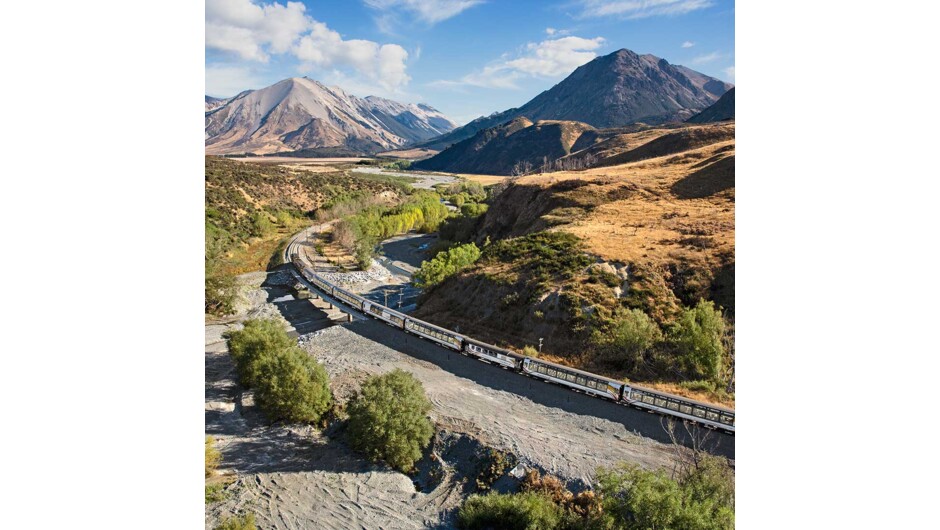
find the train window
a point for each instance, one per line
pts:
(572, 377)
(672, 405)
(726, 419)
(685, 409)
(712, 415)
(698, 412)
(660, 402)
(552, 372)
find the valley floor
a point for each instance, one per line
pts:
(298, 477)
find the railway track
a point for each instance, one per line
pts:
(685, 409)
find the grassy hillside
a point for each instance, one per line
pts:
(573, 256)
(251, 209)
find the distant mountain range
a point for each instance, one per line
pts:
(615, 90)
(722, 110)
(301, 114)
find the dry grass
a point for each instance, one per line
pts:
(647, 220)
(484, 180)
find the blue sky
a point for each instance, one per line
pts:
(466, 58)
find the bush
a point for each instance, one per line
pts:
(521, 511)
(251, 344)
(241, 522)
(293, 387)
(213, 457)
(697, 335)
(701, 498)
(530, 351)
(220, 293)
(473, 209)
(630, 337)
(289, 384)
(446, 264)
(388, 419)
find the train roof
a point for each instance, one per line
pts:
(683, 398)
(575, 370)
(494, 348)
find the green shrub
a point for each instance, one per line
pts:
(521, 511)
(697, 335)
(701, 498)
(446, 264)
(388, 419)
(289, 384)
(631, 335)
(220, 292)
(261, 225)
(215, 493)
(213, 457)
(249, 345)
(530, 351)
(241, 522)
(293, 386)
(473, 209)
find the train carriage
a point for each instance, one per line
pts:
(440, 335)
(351, 299)
(323, 285)
(689, 409)
(573, 378)
(489, 353)
(378, 311)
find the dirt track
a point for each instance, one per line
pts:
(297, 477)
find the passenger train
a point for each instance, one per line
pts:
(711, 416)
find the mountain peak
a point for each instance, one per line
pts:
(299, 113)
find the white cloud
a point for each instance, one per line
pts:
(254, 31)
(688, 44)
(227, 81)
(729, 71)
(549, 58)
(640, 8)
(554, 31)
(707, 58)
(430, 11)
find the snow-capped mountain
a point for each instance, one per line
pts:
(301, 113)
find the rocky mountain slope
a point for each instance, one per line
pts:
(611, 91)
(722, 110)
(303, 114)
(501, 150)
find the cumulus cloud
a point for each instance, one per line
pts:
(688, 44)
(227, 81)
(254, 31)
(430, 11)
(632, 9)
(549, 58)
(551, 32)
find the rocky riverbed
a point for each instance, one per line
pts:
(294, 476)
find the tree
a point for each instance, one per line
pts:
(446, 264)
(630, 337)
(697, 336)
(289, 384)
(251, 344)
(699, 498)
(388, 419)
(293, 386)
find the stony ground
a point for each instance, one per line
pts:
(300, 477)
